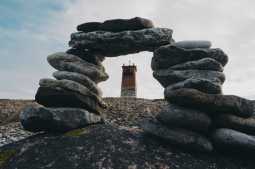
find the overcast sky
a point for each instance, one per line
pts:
(32, 29)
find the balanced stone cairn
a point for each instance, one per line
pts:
(72, 100)
(199, 117)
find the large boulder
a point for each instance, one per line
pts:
(121, 43)
(39, 118)
(245, 125)
(71, 63)
(202, 64)
(191, 44)
(176, 116)
(234, 141)
(211, 103)
(170, 55)
(202, 85)
(167, 77)
(79, 78)
(104, 146)
(116, 25)
(180, 137)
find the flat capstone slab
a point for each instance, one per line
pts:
(121, 43)
(116, 25)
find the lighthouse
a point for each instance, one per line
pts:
(128, 84)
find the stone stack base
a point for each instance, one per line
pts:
(199, 117)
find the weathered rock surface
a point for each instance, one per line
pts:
(176, 116)
(169, 55)
(69, 85)
(179, 137)
(245, 125)
(202, 85)
(87, 56)
(40, 118)
(79, 78)
(12, 132)
(71, 63)
(193, 44)
(167, 77)
(122, 43)
(202, 64)
(228, 139)
(121, 146)
(104, 146)
(116, 25)
(58, 97)
(211, 103)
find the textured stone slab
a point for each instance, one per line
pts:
(169, 55)
(191, 44)
(183, 138)
(202, 85)
(87, 56)
(39, 118)
(71, 63)
(167, 77)
(116, 25)
(227, 139)
(245, 125)
(176, 116)
(68, 85)
(122, 43)
(202, 64)
(211, 103)
(58, 97)
(79, 78)
(122, 148)
(81, 97)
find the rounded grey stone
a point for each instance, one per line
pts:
(79, 78)
(71, 63)
(39, 118)
(245, 125)
(192, 44)
(87, 56)
(116, 25)
(228, 139)
(202, 64)
(167, 77)
(202, 85)
(173, 115)
(211, 103)
(169, 55)
(183, 138)
(71, 86)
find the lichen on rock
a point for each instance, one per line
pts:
(5, 156)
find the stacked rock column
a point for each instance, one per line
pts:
(192, 75)
(73, 100)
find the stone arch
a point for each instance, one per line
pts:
(190, 72)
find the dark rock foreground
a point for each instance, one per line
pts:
(104, 146)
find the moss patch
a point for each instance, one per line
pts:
(77, 132)
(5, 156)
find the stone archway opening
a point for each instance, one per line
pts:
(147, 86)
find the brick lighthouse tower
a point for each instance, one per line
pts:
(128, 84)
